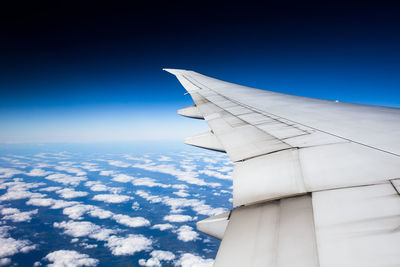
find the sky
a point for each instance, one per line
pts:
(93, 72)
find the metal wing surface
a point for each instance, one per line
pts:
(315, 182)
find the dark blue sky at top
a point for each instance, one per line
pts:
(83, 63)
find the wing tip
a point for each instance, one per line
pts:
(175, 71)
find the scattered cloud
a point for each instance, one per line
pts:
(191, 260)
(176, 204)
(131, 221)
(71, 193)
(217, 174)
(37, 172)
(156, 257)
(128, 245)
(163, 227)
(186, 234)
(16, 215)
(187, 176)
(66, 179)
(84, 228)
(112, 198)
(178, 218)
(8, 172)
(72, 170)
(10, 246)
(118, 163)
(63, 257)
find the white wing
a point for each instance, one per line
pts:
(315, 181)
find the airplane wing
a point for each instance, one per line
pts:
(315, 182)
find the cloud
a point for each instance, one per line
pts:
(217, 174)
(122, 178)
(66, 179)
(5, 261)
(72, 170)
(164, 158)
(37, 172)
(84, 228)
(50, 188)
(71, 193)
(63, 257)
(131, 221)
(16, 215)
(191, 260)
(178, 218)
(97, 186)
(156, 257)
(186, 234)
(77, 211)
(112, 198)
(8, 172)
(93, 167)
(54, 203)
(128, 245)
(181, 193)
(19, 190)
(176, 204)
(118, 163)
(100, 213)
(187, 176)
(107, 173)
(10, 246)
(135, 205)
(163, 227)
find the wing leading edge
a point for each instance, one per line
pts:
(291, 149)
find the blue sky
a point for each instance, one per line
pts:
(97, 76)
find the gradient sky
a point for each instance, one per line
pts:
(90, 73)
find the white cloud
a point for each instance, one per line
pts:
(8, 172)
(107, 173)
(122, 178)
(89, 166)
(5, 261)
(187, 176)
(72, 170)
(163, 227)
(191, 260)
(10, 246)
(186, 234)
(37, 172)
(164, 158)
(178, 218)
(66, 179)
(71, 193)
(97, 186)
(217, 174)
(131, 221)
(112, 198)
(100, 213)
(128, 245)
(176, 204)
(181, 193)
(135, 205)
(63, 257)
(118, 163)
(16, 215)
(77, 211)
(19, 190)
(156, 257)
(50, 188)
(145, 181)
(54, 203)
(84, 228)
